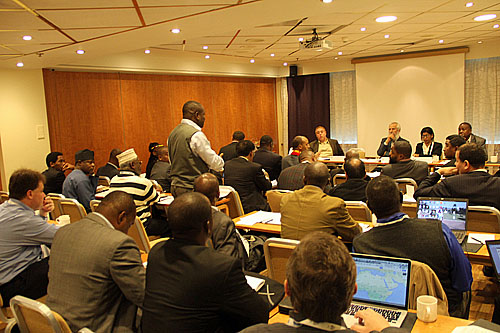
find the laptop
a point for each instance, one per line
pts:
(383, 285)
(450, 211)
(494, 251)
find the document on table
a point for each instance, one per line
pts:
(224, 192)
(167, 199)
(255, 283)
(261, 217)
(474, 238)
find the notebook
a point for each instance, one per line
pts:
(450, 211)
(494, 251)
(383, 285)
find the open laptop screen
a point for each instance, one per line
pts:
(452, 212)
(382, 280)
(494, 250)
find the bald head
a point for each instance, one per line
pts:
(316, 174)
(352, 153)
(118, 208)
(162, 153)
(306, 155)
(354, 168)
(190, 217)
(208, 185)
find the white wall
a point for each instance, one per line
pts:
(415, 92)
(22, 109)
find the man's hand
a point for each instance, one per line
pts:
(390, 137)
(369, 320)
(47, 207)
(448, 171)
(68, 166)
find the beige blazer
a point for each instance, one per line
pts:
(423, 281)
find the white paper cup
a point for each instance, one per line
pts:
(494, 159)
(63, 220)
(427, 308)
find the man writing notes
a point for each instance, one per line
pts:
(190, 151)
(386, 143)
(324, 145)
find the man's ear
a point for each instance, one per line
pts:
(467, 165)
(122, 218)
(29, 194)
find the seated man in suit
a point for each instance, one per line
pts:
(224, 237)
(191, 287)
(325, 146)
(23, 269)
(292, 178)
(310, 209)
(321, 281)
(141, 189)
(395, 235)
(452, 143)
(299, 144)
(354, 187)
(247, 178)
(270, 161)
(228, 152)
(469, 179)
(465, 130)
(111, 168)
(161, 169)
(402, 166)
(386, 143)
(96, 276)
(428, 147)
(54, 175)
(81, 184)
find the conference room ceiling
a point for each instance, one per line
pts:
(235, 30)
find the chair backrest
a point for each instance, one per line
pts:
(483, 219)
(359, 211)
(56, 198)
(339, 179)
(34, 317)
(276, 252)
(104, 181)
(402, 182)
(73, 208)
(234, 204)
(423, 281)
(139, 235)
(4, 196)
(274, 199)
(94, 204)
(224, 208)
(409, 209)
(6, 321)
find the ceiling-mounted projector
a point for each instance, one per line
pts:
(315, 44)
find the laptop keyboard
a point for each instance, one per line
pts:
(460, 234)
(390, 315)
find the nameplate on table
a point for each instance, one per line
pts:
(260, 217)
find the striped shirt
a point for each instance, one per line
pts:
(141, 189)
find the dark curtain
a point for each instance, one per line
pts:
(308, 105)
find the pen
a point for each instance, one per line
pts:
(477, 240)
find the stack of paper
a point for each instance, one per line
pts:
(261, 217)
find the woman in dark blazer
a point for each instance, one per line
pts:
(428, 147)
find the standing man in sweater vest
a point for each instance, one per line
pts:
(428, 241)
(190, 151)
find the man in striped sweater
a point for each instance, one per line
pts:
(141, 189)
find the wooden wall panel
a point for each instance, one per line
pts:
(84, 111)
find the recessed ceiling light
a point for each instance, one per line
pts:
(205, 47)
(496, 26)
(19, 64)
(207, 57)
(363, 29)
(402, 51)
(386, 36)
(80, 51)
(285, 64)
(327, 1)
(301, 39)
(480, 42)
(339, 53)
(175, 30)
(272, 54)
(27, 37)
(336, 58)
(147, 51)
(252, 60)
(384, 19)
(441, 41)
(469, 4)
(485, 17)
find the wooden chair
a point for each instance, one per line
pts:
(276, 252)
(73, 208)
(224, 208)
(359, 211)
(483, 219)
(56, 198)
(104, 181)
(403, 182)
(36, 317)
(409, 209)
(94, 204)
(4, 196)
(7, 321)
(274, 199)
(339, 179)
(139, 235)
(234, 204)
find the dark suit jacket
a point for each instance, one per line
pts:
(437, 149)
(478, 140)
(107, 170)
(351, 190)
(292, 178)
(384, 150)
(225, 238)
(270, 161)
(53, 181)
(229, 151)
(192, 288)
(417, 170)
(481, 188)
(336, 149)
(249, 181)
